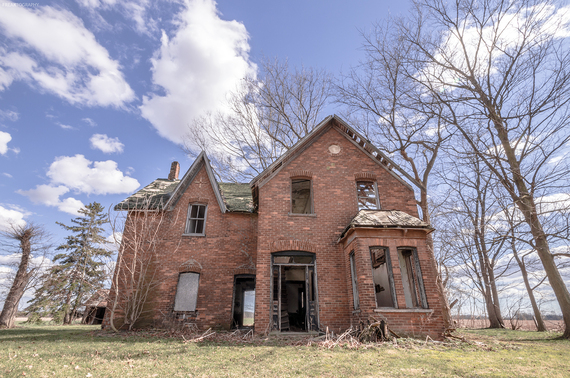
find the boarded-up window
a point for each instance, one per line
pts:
(382, 277)
(356, 300)
(186, 292)
(301, 199)
(196, 221)
(367, 195)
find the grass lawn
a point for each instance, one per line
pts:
(86, 351)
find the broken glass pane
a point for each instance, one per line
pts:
(367, 198)
(301, 197)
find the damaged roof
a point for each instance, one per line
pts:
(384, 219)
(237, 197)
(152, 197)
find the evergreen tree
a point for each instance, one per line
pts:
(79, 269)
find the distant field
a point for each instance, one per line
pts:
(525, 325)
(86, 351)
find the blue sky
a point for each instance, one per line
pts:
(95, 95)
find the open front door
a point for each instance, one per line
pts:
(294, 292)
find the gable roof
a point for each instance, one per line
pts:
(385, 219)
(352, 135)
(164, 194)
(201, 161)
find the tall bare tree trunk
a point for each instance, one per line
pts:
(20, 281)
(541, 327)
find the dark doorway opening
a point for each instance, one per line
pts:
(294, 292)
(244, 302)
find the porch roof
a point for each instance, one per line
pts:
(384, 219)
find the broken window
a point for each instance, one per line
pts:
(356, 301)
(412, 280)
(382, 277)
(196, 221)
(186, 292)
(301, 199)
(367, 195)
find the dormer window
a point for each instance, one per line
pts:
(196, 221)
(367, 193)
(301, 198)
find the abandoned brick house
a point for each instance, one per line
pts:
(327, 236)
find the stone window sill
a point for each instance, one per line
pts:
(390, 309)
(313, 215)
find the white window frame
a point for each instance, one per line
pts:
(189, 219)
(375, 186)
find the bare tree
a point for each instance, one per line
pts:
(32, 239)
(501, 71)
(479, 246)
(266, 117)
(139, 235)
(383, 102)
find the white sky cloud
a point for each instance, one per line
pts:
(73, 64)
(10, 115)
(78, 174)
(82, 175)
(11, 216)
(106, 144)
(206, 58)
(4, 139)
(89, 121)
(133, 10)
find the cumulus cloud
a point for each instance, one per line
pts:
(4, 139)
(84, 176)
(205, 58)
(9, 216)
(51, 48)
(107, 145)
(80, 175)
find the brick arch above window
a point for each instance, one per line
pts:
(365, 176)
(190, 266)
(301, 173)
(293, 245)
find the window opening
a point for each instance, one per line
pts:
(367, 195)
(301, 202)
(355, 298)
(382, 277)
(196, 219)
(186, 292)
(244, 302)
(412, 280)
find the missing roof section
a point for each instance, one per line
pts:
(152, 197)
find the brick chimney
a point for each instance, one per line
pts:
(174, 171)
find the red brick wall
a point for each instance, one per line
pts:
(335, 203)
(411, 322)
(228, 248)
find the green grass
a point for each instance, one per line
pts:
(85, 351)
